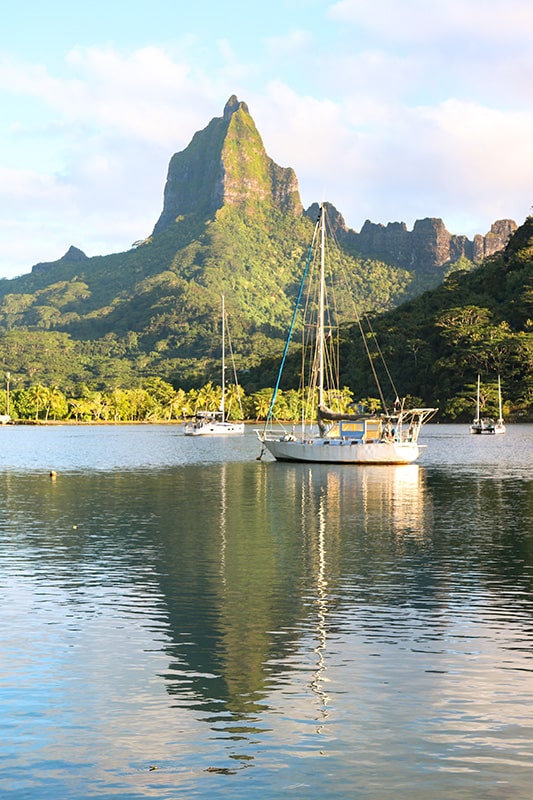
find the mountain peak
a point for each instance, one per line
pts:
(226, 164)
(72, 256)
(234, 105)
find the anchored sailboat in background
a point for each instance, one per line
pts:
(500, 425)
(214, 423)
(341, 438)
(481, 424)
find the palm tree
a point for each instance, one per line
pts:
(95, 404)
(178, 405)
(142, 404)
(80, 407)
(57, 403)
(261, 403)
(233, 401)
(293, 405)
(39, 396)
(119, 404)
(209, 398)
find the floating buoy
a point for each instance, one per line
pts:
(53, 474)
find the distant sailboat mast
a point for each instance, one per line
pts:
(222, 403)
(210, 422)
(500, 425)
(485, 424)
(321, 312)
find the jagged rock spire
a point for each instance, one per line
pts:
(226, 163)
(233, 105)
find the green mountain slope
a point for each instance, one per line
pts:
(157, 307)
(232, 223)
(475, 323)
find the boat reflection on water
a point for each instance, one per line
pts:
(273, 567)
(367, 497)
(400, 494)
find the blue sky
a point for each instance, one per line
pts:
(392, 111)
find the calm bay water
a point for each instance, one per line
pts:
(178, 619)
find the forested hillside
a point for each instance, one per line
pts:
(155, 311)
(475, 323)
(233, 224)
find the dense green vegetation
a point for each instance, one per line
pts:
(154, 401)
(86, 330)
(154, 310)
(479, 322)
(136, 335)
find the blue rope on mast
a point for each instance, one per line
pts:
(291, 329)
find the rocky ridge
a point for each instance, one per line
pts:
(226, 164)
(430, 244)
(72, 256)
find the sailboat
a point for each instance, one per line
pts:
(500, 425)
(334, 436)
(481, 424)
(214, 423)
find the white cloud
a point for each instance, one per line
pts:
(304, 133)
(483, 153)
(100, 142)
(429, 52)
(143, 94)
(398, 111)
(21, 186)
(416, 20)
(461, 161)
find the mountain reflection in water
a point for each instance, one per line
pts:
(252, 563)
(225, 627)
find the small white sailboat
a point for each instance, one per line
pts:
(500, 425)
(214, 423)
(481, 424)
(341, 438)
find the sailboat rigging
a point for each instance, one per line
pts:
(500, 425)
(206, 422)
(344, 438)
(481, 424)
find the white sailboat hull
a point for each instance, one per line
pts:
(483, 426)
(214, 423)
(330, 451)
(343, 437)
(213, 428)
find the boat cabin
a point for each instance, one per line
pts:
(364, 430)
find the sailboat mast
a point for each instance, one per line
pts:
(222, 409)
(500, 419)
(477, 401)
(321, 303)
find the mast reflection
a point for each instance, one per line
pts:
(246, 590)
